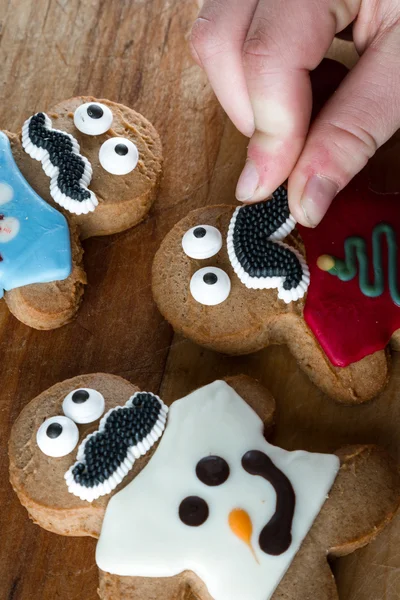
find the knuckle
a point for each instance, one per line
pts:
(255, 57)
(261, 49)
(354, 138)
(346, 146)
(254, 47)
(204, 37)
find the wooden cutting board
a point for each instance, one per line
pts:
(135, 52)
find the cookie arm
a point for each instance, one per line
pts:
(395, 341)
(363, 499)
(51, 305)
(357, 383)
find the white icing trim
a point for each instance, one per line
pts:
(42, 155)
(284, 230)
(134, 452)
(267, 283)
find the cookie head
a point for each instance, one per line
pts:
(222, 274)
(79, 441)
(93, 152)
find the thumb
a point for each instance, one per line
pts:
(359, 118)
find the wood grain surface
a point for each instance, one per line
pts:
(135, 52)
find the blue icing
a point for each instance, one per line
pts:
(35, 245)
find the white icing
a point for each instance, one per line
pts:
(267, 283)
(210, 294)
(134, 452)
(89, 125)
(115, 163)
(6, 193)
(52, 171)
(202, 247)
(9, 228)
(61, 445)
(143, 536)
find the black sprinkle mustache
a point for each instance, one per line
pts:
(59, 153)
(106, 456)
(258, 256)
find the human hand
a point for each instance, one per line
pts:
(257, 55)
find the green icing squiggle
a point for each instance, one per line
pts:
(355, 249)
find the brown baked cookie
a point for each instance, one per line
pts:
(170, 492)
(237, 280)
(86, 167)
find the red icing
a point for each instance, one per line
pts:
(347, 324)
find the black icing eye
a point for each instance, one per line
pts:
(200, 232)
(210, 278)
(84, 405)
(121, 149)
(193, 511)
(93, 118)
(212, 470)
(202, 241)
(118, 156)
(95, 111)
(210, 286)
(54, 430)
(57, 436)
(80, 396)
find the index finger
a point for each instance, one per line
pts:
(217, 40)
(285, 41)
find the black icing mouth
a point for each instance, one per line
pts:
(276, 537)
(106, 456)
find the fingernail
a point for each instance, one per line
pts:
(317, 197)
(248, 182)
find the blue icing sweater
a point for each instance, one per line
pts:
(35, 245)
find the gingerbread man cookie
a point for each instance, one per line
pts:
(190, 500)
(86, 167)
(239, 279)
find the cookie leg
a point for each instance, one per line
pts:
(357, 383)
(114, 587)
(50, 305)
(309, 576)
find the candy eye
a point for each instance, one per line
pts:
(83, 405)
(210, 286)
(57, 436)
(203, 241)
(93, 118)
(118, 156)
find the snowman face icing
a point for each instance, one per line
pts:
(210, 500)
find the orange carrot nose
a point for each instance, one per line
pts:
(241, 525)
